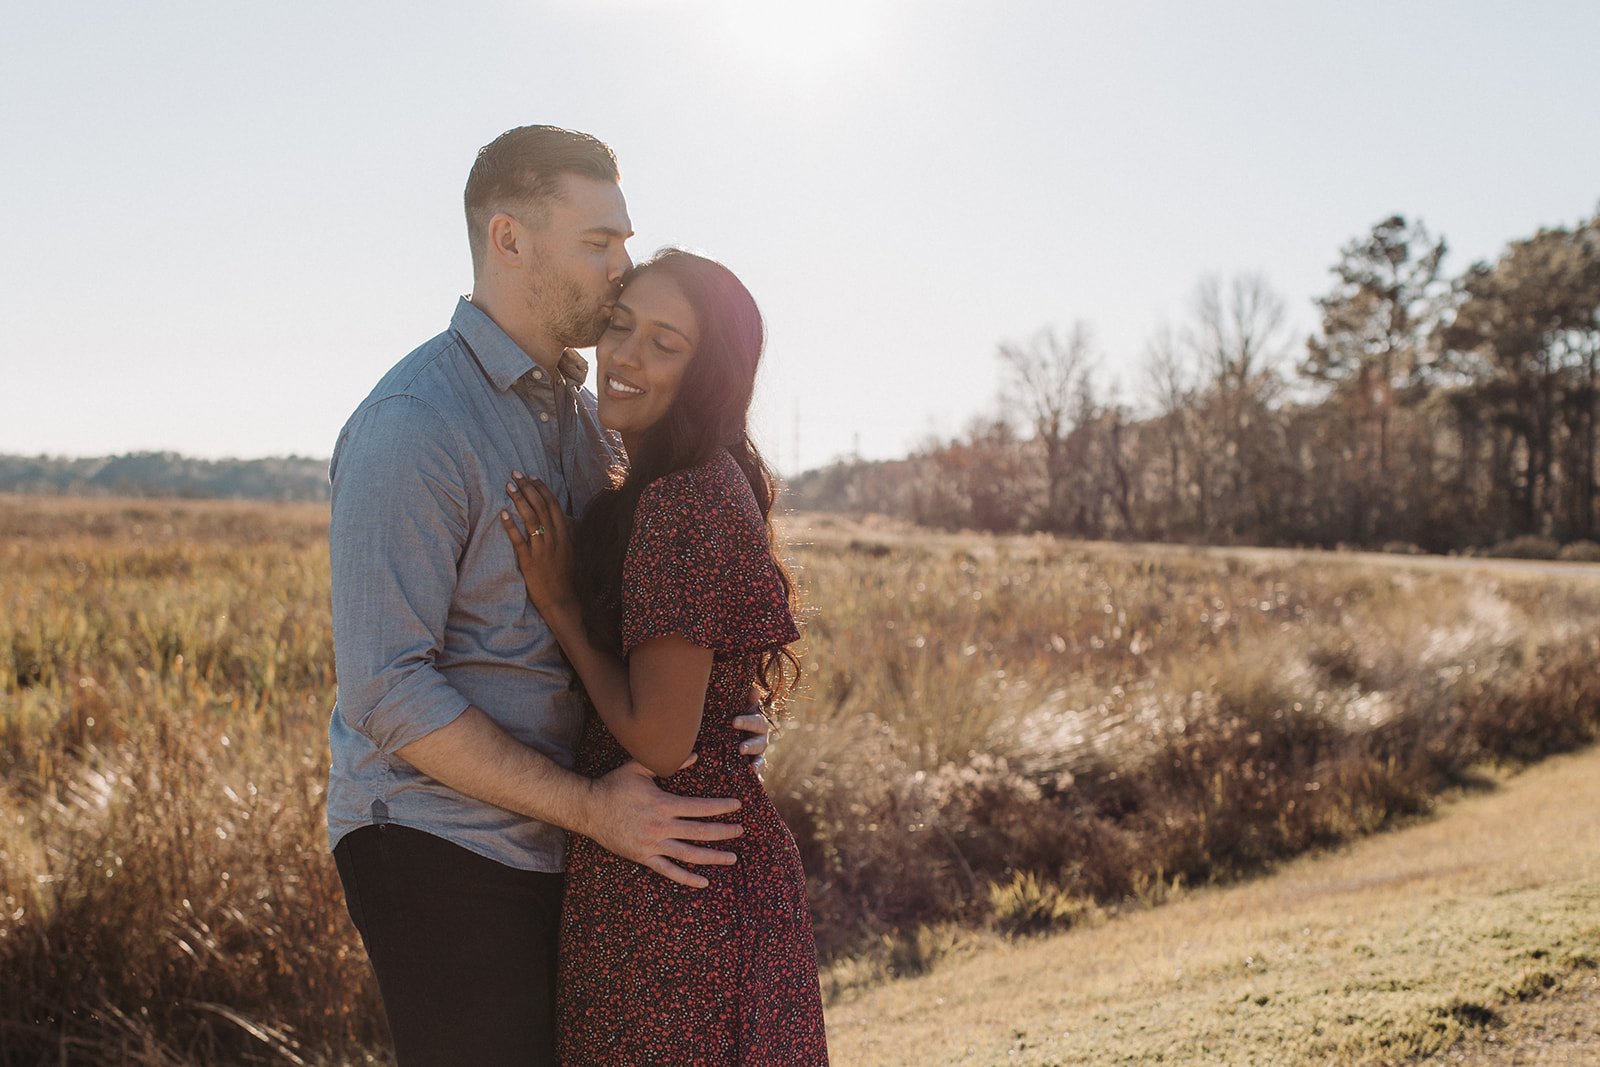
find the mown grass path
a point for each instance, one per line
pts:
(1442, 938)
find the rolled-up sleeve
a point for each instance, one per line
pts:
(399, 526)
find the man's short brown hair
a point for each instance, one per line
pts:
(516, 173)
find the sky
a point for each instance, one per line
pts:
(221, 223)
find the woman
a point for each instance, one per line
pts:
(686, 608)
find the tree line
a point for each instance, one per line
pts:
(1428, 410)
(167, 474)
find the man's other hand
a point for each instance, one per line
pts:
(637, 820)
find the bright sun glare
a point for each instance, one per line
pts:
(804, 38)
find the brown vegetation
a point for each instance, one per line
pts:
(1014, 732)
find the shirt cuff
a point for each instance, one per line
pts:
(420, 704)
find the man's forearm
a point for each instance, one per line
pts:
(473, 755)
(624, 812)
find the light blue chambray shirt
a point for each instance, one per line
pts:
(429, 611)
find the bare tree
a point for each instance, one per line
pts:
(1046, 382)
(1239, 333)
(1239, 337)
(1169, 386)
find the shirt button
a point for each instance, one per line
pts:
(544, 416)
(538, 375)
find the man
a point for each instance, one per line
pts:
(457, 715)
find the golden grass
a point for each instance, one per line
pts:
(1559, 1028)
(996, 733)
(1395, 946)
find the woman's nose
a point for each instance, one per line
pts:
(627, 353)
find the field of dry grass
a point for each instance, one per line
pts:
(997, 737)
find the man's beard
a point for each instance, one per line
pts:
(573, 321)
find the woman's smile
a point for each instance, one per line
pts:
(621, 387)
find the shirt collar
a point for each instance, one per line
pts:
(502, 361)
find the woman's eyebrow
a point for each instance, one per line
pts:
(620, 306)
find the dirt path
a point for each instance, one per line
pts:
(1472, 937)
(1483, 564)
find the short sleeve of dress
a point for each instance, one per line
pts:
(698, 565)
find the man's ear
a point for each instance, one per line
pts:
(508, 240)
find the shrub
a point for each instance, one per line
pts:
(1551, 704)
(1529, 546)
(1031, 905)
(1580, 552)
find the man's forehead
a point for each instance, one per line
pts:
(593, 203)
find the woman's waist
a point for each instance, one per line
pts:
(716, 756)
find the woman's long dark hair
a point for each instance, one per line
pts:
(711, 411)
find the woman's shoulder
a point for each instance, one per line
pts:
(718, 480)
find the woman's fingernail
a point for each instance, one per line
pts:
(518, 475)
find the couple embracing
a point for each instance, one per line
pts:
(553, 612)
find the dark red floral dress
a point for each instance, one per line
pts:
(653, 972)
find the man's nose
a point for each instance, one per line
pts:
(620, 264)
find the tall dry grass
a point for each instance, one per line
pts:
(994, 731)
(165, 890)
(1114, 722)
